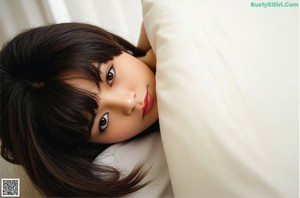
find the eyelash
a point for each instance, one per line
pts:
(105, 118)
(105, 122)
(110, 71)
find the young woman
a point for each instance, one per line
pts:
(68, 91)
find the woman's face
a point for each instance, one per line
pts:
(126, 98)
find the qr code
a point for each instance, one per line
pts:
(10, 187)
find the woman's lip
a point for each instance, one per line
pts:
(148, 101)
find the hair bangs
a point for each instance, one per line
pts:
(67, 122)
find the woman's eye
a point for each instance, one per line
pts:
(103, 123)
(110, 76)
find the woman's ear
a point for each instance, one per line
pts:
(149, 59)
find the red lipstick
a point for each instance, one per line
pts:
(148, 101)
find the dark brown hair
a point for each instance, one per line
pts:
(43, 127)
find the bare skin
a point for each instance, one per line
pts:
(143, 43)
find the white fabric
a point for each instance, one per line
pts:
(122, 17)
(227, 87)
(148, 149)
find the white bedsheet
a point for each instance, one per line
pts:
(125, 156)
(227, 87)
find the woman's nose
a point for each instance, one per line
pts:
(119, 99)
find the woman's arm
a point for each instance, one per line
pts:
(144, 44)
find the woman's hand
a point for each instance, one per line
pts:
(149, 59)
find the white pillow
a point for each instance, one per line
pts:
(227, 88)
(125, 156)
